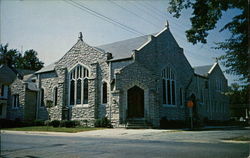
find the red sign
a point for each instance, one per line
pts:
(190, 104)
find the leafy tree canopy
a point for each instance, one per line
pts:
(14, 58)
(238, 100)
(205, 16)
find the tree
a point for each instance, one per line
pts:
(238, 100)
(14, 59)
(30, 60)
(11, 57)
(206, 14)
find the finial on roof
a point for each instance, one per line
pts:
(80, 36)
(216, 59)
(167, 24)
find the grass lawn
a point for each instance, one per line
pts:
(240, 138)
(53, 129)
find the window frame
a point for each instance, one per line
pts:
(42, 101)
(15, 101)
(169, 75)
(102, 93)
(82, 73)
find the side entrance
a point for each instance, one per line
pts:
(135, 102)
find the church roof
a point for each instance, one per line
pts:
(47, 68)
(204, 70)
(124, 48)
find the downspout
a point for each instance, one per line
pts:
(38, 96)
(110, 100)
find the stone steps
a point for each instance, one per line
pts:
(138, 124)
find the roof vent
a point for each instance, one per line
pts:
(80, 36)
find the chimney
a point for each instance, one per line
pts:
(109, 55)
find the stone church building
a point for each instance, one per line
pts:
(147, 78)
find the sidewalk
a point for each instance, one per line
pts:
(106, 133)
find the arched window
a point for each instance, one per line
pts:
(78, 85)
(55, 95)
(168, 86)
(104, 93)
(42, 98)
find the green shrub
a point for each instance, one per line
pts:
(38, 122)
(172, 124)
(104, 122)
(69, 123)
(4, 123)
(98, 123)
(55, 123)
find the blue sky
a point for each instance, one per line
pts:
(52, 27)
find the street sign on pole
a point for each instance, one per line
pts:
(190, 104)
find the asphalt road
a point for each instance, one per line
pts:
(156, 145)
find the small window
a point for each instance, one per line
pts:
(15, 101)
(2, 90)
(206, 84)
(55, 96)
(104, 93)
(42, 98)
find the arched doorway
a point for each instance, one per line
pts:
(135, 102)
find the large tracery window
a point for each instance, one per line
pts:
(168, 86)
(78, 88)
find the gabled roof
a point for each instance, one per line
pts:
(204, 70)
(48, 68)
(7, 74)
(124, 48)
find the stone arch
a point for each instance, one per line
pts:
(135, 102)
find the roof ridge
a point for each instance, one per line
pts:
(125, 40)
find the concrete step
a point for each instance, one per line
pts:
(138, 124)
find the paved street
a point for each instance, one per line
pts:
(124, 143)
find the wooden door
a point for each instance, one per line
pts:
(135, 102)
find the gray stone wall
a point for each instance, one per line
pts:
(161, 52)
(136, 75)
(48, 81)
(17, 87)
(95, 62)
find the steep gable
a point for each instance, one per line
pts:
(81, 53)
(7, 74)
